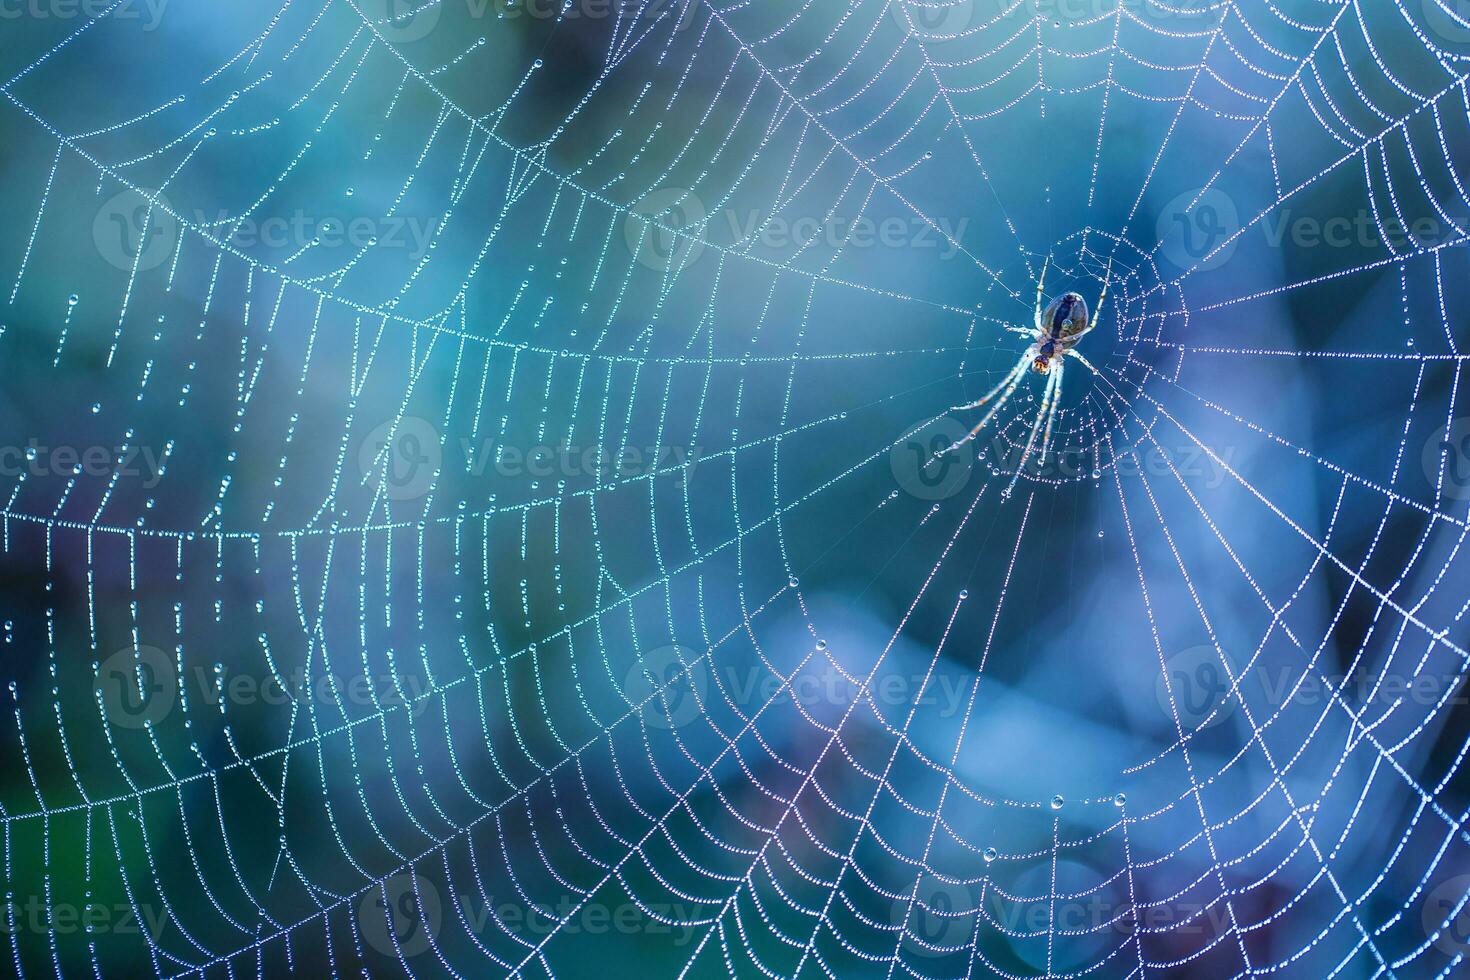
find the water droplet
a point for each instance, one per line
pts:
(991, 854)
(1120, 799)
(1057, 801)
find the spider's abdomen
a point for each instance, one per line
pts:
(1066, 317)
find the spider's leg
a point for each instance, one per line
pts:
(1041, 290)
(1011, 381)
(1085, 362)
(1052, 412)
(1107, 281)
(1046, 396)
(1028, 334)
(993, 391)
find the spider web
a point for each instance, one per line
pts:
(476, 500)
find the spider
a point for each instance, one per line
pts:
(1059, 327)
